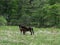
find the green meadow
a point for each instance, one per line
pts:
(10, 35)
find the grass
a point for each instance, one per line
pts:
(10, 35)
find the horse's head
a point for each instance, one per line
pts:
(22, 26)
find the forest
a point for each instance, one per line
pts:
(37, 13)
(29, 22)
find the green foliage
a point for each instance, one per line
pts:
(2, 21)
(40, 13)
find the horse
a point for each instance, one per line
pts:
(24, 29)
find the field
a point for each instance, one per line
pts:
(10, 35)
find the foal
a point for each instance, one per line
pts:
(24, 29)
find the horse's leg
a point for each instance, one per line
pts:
(21, 30)
(32, 32)
(24, 32)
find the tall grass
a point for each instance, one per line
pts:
(10, 35)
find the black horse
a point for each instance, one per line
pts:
(24, 29)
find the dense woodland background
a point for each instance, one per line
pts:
(38, 13)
